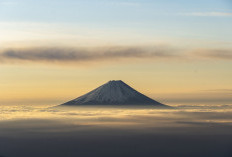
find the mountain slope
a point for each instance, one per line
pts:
(114, 93)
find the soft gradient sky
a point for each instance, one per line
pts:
(175, 51)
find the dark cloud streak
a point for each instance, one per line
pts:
(100, 54)
(78, 54)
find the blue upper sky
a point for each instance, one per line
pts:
(198, 19)
(106, 10)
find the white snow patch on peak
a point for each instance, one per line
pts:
(112, 91)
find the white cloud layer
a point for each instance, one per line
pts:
(213, 14)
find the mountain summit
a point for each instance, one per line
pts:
(114, 92)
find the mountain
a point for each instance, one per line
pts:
(114, 93)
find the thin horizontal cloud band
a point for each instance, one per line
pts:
(81, 54)
(73, 55)
(212, 14)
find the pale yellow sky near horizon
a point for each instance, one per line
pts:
(41, 84)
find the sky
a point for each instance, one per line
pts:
(174, 51)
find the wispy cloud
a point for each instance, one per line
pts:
(8, 3)
(130, 4)
(213, 14)
(221, 54)
(109, 54)
(74, 55)
(218, 90)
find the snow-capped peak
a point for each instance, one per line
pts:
(114, 92)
